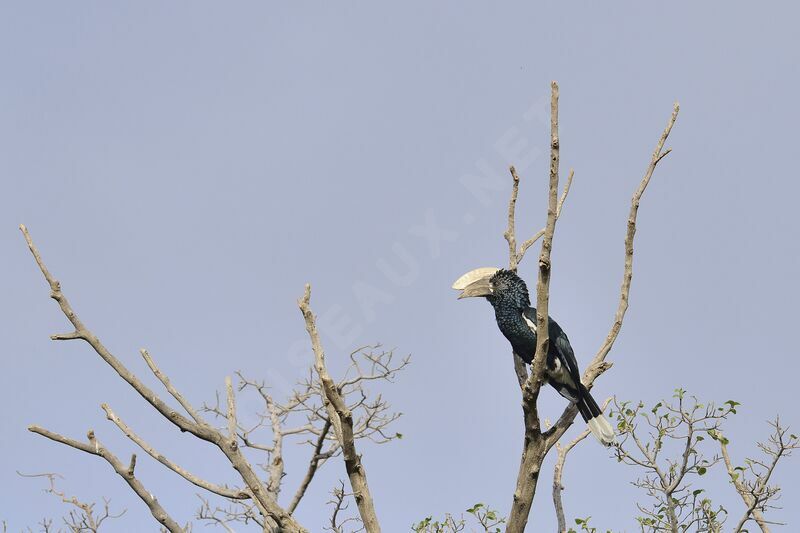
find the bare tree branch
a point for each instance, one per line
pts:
(276, 465)
(232, 425)
(228, 445)
(599, 364)
(752, 483)
(342, 420)
(312, 468)
(558, 486)
(515, 256)
(168, 385)
(188, 476)
(81, 332)
(371, 416)
(749, 500)
(658, 154)
(237, 512)
(94, 447)
(337, 520)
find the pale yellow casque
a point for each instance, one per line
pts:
(473, 275)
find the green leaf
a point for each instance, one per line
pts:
(702, 470)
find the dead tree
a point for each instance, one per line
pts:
(329, 416)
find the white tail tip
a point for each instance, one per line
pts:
(602, 430)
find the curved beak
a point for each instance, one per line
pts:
(481, 287)
(475, 283)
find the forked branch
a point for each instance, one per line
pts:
(515, 255)
(94, 447)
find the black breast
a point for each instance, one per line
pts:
(514, 328)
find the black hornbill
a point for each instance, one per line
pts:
(516, 319)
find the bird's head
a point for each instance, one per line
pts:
(500, 287)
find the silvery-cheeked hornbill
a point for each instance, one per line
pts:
(516, 319)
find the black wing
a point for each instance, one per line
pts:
(558, 342)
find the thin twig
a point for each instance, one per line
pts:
(312, 467)
(515, 256)
(164, 379)
(558, 470)
(538, 235)
(231, 409)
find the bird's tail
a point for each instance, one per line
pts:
(593, 416)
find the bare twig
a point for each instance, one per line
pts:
(752, 483)
(371, 416)
(338, 521)
(312, 467)
(231, 410)
(276, 465)
(83, 518)
(515, 256)
(94, 447)
(238, 512)
(342, 419)
(511, 232)
(558, 486)
(81, 332)
(750, 501)
(164, 379)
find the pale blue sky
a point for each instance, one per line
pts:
(185, 168)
